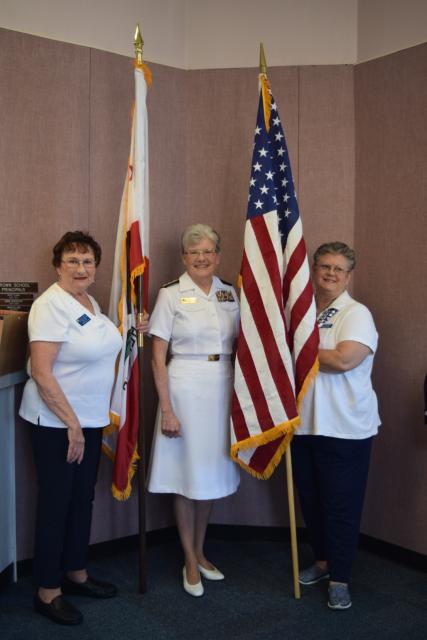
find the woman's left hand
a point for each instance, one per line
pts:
(142, 325)
(76, 445)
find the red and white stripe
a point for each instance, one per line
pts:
(277, 345)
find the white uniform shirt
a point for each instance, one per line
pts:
(343, 405)
(194, 322)
(84, 367)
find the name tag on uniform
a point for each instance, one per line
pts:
(223, 295)
(188, 300)
(83, 320)
(325, 316)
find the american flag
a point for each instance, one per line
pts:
(278, 340)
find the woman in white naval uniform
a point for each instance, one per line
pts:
(196, 318)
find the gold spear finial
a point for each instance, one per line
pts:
(138, 44)
(262, 62)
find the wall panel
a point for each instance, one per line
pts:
(326, 154)
(391, 240)
(44, 134)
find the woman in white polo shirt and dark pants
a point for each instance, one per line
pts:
(66, 400)
(339, 418)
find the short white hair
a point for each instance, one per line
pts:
(339, 249)
(195, 233)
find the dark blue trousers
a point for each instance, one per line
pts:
(64, 508)
(330, 475)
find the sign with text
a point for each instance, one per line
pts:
(17, 296)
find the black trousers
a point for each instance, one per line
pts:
(65, 498)
(330, 475)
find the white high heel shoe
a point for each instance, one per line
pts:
(211, 574)
(195, 590)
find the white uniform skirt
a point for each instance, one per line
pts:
(198, 464)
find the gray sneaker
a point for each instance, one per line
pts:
(339, 596)
(312, 574)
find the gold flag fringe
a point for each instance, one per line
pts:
(285, 430)
(148, 76)
(309, 378)
(120, 494)
(287, 437)
(123, 494)
(266, 99)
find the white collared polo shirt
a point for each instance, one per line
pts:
(343, 405)
(84, 366)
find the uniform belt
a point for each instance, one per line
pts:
(212, 357)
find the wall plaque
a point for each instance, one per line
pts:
(16, 296)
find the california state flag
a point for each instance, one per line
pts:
(130, 260)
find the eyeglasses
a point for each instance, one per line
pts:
(200, 252)
(331, 268)
(73, 263)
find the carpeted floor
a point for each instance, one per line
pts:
(254, 602)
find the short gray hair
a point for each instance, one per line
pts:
(336, 248)
(196, 233)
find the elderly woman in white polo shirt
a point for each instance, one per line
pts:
(196, 318)
(73, 349)
(339, 418)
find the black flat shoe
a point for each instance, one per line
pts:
(59, 610)
(91, 588)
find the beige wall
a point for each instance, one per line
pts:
(197, 34)
(194, 34)
(108, 25)
(386, 26)
(295, 32)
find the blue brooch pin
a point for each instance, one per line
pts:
(83, 320)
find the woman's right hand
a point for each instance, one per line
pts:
(171, 427)
(76, 445)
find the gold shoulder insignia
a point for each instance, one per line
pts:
(169, 284)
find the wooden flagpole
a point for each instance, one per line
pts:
(289, 478)
(292, 523)
(138, 44)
